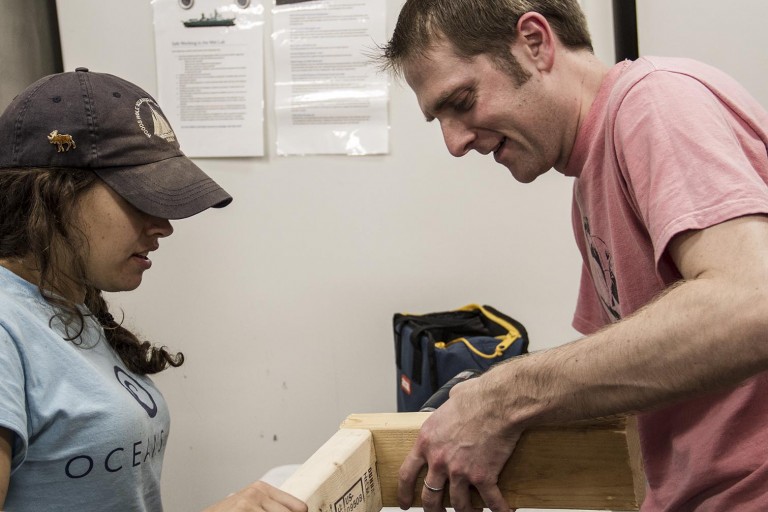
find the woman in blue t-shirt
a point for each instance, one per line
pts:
(90, 174)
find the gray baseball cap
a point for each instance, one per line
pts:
(97, 121)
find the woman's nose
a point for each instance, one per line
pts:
(159, 227)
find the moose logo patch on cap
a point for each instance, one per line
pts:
(63, 141)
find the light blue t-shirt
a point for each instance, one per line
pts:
(90, 435)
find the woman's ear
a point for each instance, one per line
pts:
(536, 40)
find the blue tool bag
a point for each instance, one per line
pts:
(433, 348)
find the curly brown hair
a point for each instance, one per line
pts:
(36, 224)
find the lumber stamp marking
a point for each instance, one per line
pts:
(340, 476)
(585, 465)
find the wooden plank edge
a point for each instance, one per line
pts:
(341, 476)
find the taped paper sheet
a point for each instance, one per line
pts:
(330, 98)
(210, 74)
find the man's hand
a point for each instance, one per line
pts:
(464, 443)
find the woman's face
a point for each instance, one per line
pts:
(119, 239)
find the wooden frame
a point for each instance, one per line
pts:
(587, 465)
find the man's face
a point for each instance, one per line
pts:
(481, 107)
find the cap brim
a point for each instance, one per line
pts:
(174, 188)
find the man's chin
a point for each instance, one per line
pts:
(523, 176)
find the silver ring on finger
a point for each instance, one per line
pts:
(433, 489)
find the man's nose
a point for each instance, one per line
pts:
(458, 138)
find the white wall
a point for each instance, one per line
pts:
(282, 302)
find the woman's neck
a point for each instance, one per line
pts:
(19, 267)
(26, 270)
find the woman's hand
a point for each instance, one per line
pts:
(259, 497)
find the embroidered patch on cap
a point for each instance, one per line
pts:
(160, 127)
(63, 141)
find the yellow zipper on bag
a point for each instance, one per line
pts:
(505, 340)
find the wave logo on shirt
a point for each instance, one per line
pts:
(601, 268)
(137, 391)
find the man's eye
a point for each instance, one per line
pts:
(464, 105)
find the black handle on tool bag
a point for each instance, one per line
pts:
(441, 395)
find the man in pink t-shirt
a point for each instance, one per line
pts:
(669, 211)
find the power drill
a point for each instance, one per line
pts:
(441, 395)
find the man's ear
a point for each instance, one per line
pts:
(536, 39)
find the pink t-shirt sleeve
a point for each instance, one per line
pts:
(687, 163)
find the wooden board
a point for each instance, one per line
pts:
(340, 476)
(585, 465)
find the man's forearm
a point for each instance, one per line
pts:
(701, 335)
